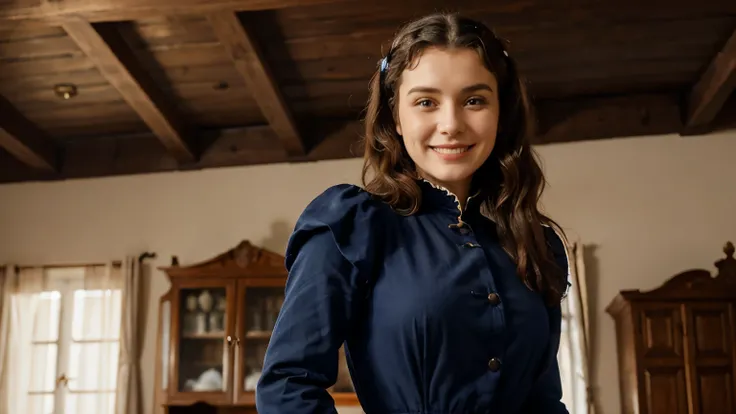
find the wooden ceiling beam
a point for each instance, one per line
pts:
(56, 12)
(24, 141)
(113, 57)
(711, 91)
(246, 54)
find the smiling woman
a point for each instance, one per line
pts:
(442, 278)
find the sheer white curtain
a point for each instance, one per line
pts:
(31, 343)
(95, 346)
(7, 286)
(128, 384)
(574, 354)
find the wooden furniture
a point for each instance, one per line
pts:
(214, 325)
(676, 349)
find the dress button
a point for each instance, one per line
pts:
(494, 299)
(494, 364)
(464, 230)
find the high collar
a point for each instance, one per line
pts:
(437, 197)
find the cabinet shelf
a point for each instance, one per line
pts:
(258, 335)
(206, 335)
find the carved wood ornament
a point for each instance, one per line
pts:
(245, 259)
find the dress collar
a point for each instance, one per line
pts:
(437, 197)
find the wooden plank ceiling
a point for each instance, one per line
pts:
(189, 84)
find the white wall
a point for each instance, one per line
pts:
(651, 206)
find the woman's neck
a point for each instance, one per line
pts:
(460, 189)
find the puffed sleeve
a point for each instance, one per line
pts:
(546, 395)
(326, 258)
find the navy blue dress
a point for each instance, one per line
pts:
(432, 315)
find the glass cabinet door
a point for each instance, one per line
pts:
(344, 383)
(259, 308)
(204, 341)
(343, 391)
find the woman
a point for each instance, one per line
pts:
(441, 277)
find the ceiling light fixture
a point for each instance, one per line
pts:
(65, 90)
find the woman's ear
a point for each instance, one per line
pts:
(398, 128)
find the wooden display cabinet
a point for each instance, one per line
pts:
(214, 326)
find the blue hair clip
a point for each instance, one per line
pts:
(384, 65)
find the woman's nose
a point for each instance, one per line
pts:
(450, 121)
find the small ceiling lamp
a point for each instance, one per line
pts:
(65, 90)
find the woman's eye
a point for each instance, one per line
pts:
(425, 103)
(476, 101)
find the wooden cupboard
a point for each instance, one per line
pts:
(676, 349)
(214, 325)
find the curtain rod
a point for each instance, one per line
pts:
(116, 263)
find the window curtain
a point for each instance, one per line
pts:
(574, 355)
(26, 366)
(95, 350)
(7, 280)
(128, 393)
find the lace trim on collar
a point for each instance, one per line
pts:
(455, 198)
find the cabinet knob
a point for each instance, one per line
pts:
(233, 340)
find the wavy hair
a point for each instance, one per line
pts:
(511, 179)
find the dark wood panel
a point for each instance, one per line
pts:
(159, 31)
(609, 86)
(205, 105)
(530, 15)
(45, 66)
(32, 10)
(85, 120)
(12, 48)
(191, 55)
(562, 121)
(9, 32)
(208, 73)
(624, 69)
(665, 390)
(45, 99)
(22, 84)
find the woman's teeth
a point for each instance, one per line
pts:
(450, 150)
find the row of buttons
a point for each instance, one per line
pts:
(494, 364)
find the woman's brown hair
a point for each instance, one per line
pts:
(510, 180)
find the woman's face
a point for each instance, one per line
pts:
(448, 115)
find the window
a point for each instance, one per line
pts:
(73, 347)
